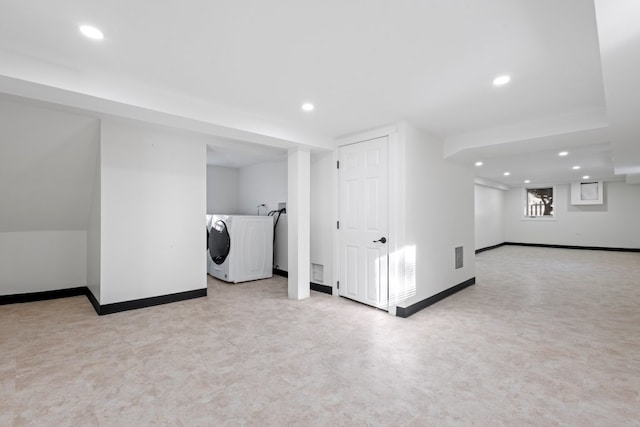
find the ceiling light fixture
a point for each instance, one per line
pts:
(563, 153)
(91, 32)
(526, 181)
(585, 177)
(575, 168)
(307, 106)
(501, 80)
(478, 163)
(506, 173)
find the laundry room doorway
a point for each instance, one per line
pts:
(246, 186)
(363, 222)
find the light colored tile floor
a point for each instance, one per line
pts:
(546, 337)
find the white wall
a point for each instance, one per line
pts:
(438, 213)
(93, 235)
(262, 183)
(47, 169)
(489, 216)
(322, 223)
(37, 261)
(222, 190)
(266, 183)
(47, 165)
(153, 201)
(613, 224)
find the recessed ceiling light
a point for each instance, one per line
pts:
(506, 173)
(307, 106)
(563, 153)
(501, 80)
(575, 168)
(585, 177)
(478, 163)
(526, 181)
(91, 32)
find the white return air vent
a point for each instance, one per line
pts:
(459, 257)
(317, 273)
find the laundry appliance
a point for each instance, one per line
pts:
(241, 247)
(209, 260)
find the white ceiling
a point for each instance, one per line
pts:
(213, 66)
(536, 167)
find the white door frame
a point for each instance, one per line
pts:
(395, 196)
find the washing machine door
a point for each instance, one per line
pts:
(219, 242)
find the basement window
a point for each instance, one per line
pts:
(538, 202)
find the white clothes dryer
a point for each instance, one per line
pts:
(241, 247)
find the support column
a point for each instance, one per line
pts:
(299, 215)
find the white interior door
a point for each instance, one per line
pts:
(363, 222)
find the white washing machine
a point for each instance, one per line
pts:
(241, 247)
(209, 260)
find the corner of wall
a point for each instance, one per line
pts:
(94, 228)
(438, 215)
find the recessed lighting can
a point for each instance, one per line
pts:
(307, 106)
(586, 177)
(563, 153)
(478, 163)
(501, 80)
(506, 173)
(91, 32)
(575, 168)
(526, 181)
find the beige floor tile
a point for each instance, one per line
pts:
(546, 337)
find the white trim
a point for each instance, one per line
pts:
(366, 136)
(394, 198)
(539, 218)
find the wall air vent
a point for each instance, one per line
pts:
(317, 273)
(459, 257)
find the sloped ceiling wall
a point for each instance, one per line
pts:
(47, 167)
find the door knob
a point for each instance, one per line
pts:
(381, 240)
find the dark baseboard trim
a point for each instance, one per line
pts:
(101, 309)
(43, 296)
(94, 302)
(488, 248)
(589, 248)
(321, 288)
(414, 308)
(280, 272)
(545, 245)
(117, 307)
